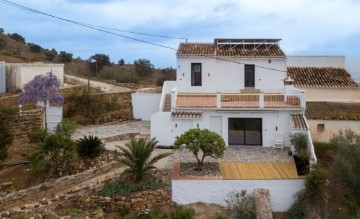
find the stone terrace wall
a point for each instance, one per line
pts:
(29, 122)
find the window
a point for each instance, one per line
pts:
(321, 127)
(195, 74)
(249, 75)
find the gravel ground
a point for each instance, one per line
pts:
(208, 169)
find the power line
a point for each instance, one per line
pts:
(106, 30)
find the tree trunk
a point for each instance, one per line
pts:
(45, 106)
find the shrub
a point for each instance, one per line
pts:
(41, 135)
(34, 48)
(182, 213)
(324, 151)
(138, 159)
(66, 127)
(90, 147)
(208, 143)
(65, 57)
(125, 188)
(315, 183)
(17, 37)
(7, 116)
(56, 151)
(297, 209)
(242, 203)
(347, 161)
(300, 142)
(2, 43)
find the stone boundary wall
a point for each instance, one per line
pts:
(135, 202)
(27, 122)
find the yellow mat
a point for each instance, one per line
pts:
(258, 170)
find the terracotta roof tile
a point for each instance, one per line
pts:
(332, 111)
(298, 122)
(326, 77)
(186, 114)
(246, 50)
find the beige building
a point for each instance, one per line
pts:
(18, 74)
(333, 97)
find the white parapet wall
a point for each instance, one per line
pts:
(145, 105)
(2, 77)
(282, 192)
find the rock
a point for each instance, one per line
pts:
(6, 184)
(51, 215)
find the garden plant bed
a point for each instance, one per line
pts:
(208, 169)
(302, 166)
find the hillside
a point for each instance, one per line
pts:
(15, 49)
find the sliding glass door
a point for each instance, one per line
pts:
(245, 131)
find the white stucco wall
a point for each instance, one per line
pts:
(21, 73)
(282, 192)
(316, 61)
(332, 127)
(2, 77)
(165, 129)
(54, 115)
(145, 105)
(332, 94)
(218, 75)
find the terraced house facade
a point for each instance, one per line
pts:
(238, 88)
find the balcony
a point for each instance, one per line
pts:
(237, 100)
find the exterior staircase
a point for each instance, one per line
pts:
(167, 103)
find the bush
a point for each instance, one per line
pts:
(7, 116)
(325, 151)
(65, 57)
(206, 142)
(17, 37)
(41, 135)
(315, 183)
(125, 188)
(50, 55)
(66, 127)
(182, 213)
(297, 209)
(56, 151)
(2, 43)
(90, 147)
(300, 142)
(34, 48)
(347, 161)
(138, 157)
(242, 203)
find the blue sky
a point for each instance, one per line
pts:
(307, 27)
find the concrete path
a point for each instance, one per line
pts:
(108, 88)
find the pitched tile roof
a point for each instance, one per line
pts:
(326, 77)
(245, 51)
(298, 122)
(332, 111)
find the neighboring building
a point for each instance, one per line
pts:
(333, 97)
(235, 87)
(18, 74)
(2, 77)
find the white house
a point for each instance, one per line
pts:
(235, 87)
(333, 97)
(18, 74)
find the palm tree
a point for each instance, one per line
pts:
(138, 159)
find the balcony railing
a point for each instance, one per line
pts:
(238, 100)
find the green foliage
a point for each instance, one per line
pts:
(2, 30)
(297, 209)
(2, 43)
(121, 62)
(66, 127)
(17, 37)
(73, 211)
(219, 216)
(347, 161)
(202, 143)
(143, 66)
(125, 76)
(138, 157)
(125, 188)
(56, 151)
(324, 151)
(90, 147)
(65, 57)
(42, 134)
(300, 142)
(182, 213)
(242, 203)
(124, 211)
(7, 116)
(315, 183)
(34, 48)
(101, 60)
(50, 54)
(354, 208)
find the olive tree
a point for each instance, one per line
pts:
(202, 143)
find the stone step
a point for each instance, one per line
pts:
(167, 103)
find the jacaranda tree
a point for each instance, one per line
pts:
(43, 88)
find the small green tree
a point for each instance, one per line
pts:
(2, 43)
(315, 183)
(202, 143)
(300, 142)
(34, 47)
(17, 37)
(138, 159)
(242, 204)
(56, 151)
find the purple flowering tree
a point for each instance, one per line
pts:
(44, 88)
